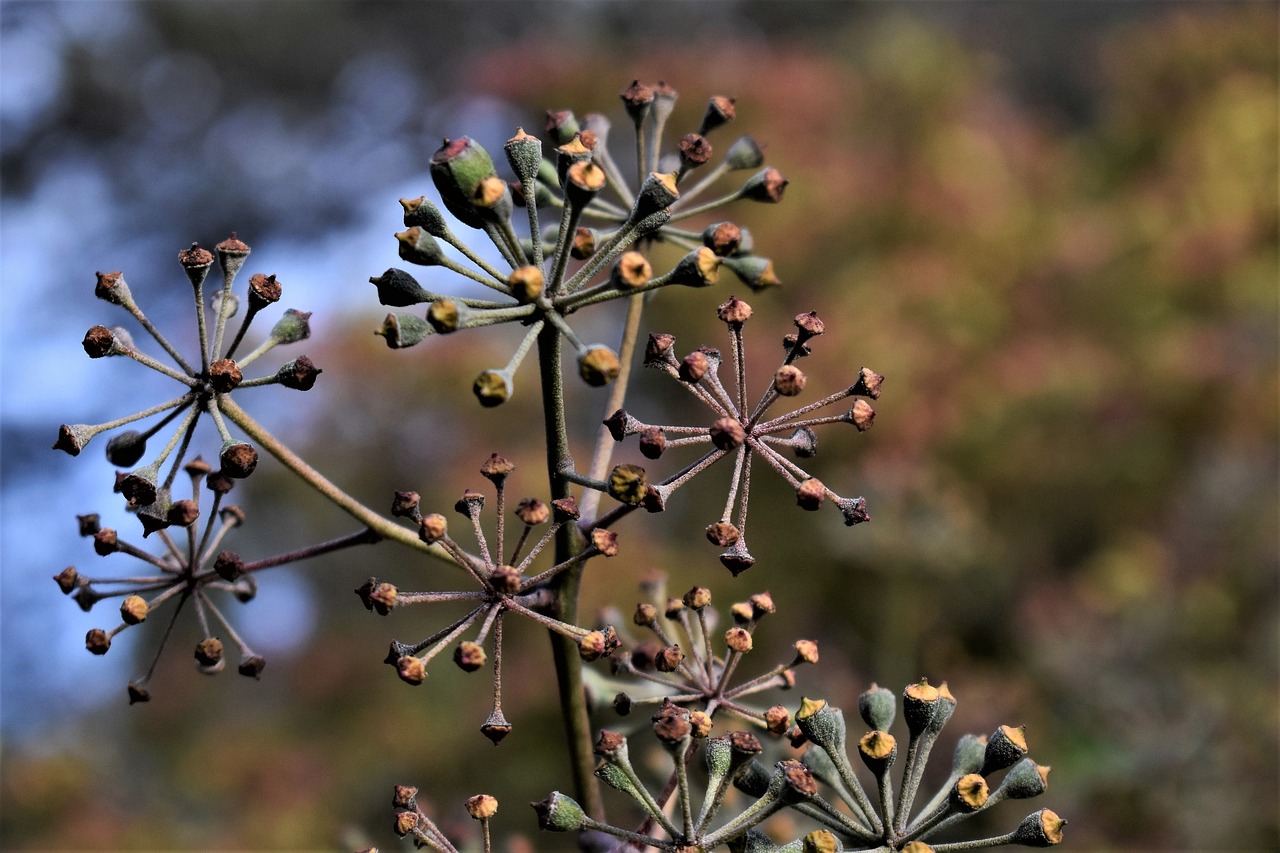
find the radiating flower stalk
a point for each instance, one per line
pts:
(191, 569)
(412, 821)
(742, 431)
(207, 382)
(506, 585)
(680, 665)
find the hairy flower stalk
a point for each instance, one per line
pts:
(506, 585)
(741, 431)
(207, 382)
(188, 571)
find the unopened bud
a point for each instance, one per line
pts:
(493, 388)
(628, 484)
(810, 494)
(403, 330)
(754, 271)
(299, 374)
(482, 806)
(699, 268)
(208, 652)
(469, 656)
(411, 670)
(598, 365)
(632, 269)
(238, 459)
(292, 327)
(526, 283)
(738, 639)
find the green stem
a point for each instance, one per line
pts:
(565, 587)
(384, 527)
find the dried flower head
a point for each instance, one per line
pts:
(701, 677)
(746, 432)
(207, 383)
(576, 178)
(190, 571)
(506, 586)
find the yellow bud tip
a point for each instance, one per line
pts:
(809, 707)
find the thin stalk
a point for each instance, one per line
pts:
(603, 454)
(384, 527)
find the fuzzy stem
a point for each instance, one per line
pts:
(573, 698)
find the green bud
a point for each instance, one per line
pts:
(524, 153)
(403, 330)
(1039, 829)
(418, 247)
(754, 271)
(1024, 780)
(970, 752)
(458, 169)
(822, 724)
(699, 268)
(746, 153)
(292, 327)
(877, 707)
(421, 213)
(559, 813)
(299, 374)
(561, 126)
(1005, 746)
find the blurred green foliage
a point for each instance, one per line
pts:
(1072, 478)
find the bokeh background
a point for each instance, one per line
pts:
(1052, 226)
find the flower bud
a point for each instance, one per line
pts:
(139, 488)
(582, 181)
(658, 349)
(196, 263)
(113, 288)
(736, 558)
(868, 384)
(418, 247)
(694, 366)
(806, 651)
(559, 813)
(526, 283)
(292, 327)
(405, 823)
(877, 707)
(861, 415)
(97, 641)
(561, 126)
(720, 111)
(598, 365)
(592, 646)
(699, 268)
(238, 459)
(411, 670)
(264, 290)
(225, 375)
(628, 484)
(765, 186)
(1024, 780)
(133, 610)
(399, 289)
(789, 380)
(605, 541)
(584, 243)
(854, 510)
(469, 656)
(100, 341)
(445, 315)
(695, 151)
(565, 509)
(754, 271)
(496, 727)
(458, 168)
(745, 153)
(878, 749)
(723, 238)
(722, 534)
(403, 330)
(810, 494)
(299, 374)
(208, 652)
(138, 693)
(493, 388)
(67, 579)
(252, 667)
(969, 793)
(669, 659)
(231, 254)
(734, 312)
(653, 441)
(657, 193)
(420, 212)
(1006, 746)
(738, 639)
(482, 806)
(1040, 829)
(632, 269)
(727, 433)
(126, 448)
(524, 154)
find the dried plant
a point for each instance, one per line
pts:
(603, 232)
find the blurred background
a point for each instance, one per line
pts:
(1053, 227)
